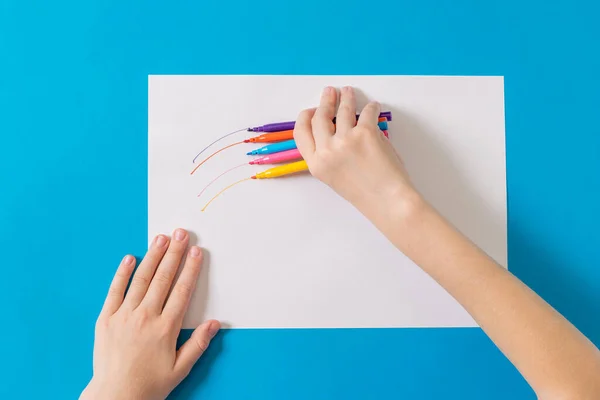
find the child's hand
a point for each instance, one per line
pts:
(134, 351)
(355, 159)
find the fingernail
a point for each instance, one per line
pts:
(128, 260)
(328, 90)
(160, 241)
(213, 328)
(179, 234)
(195, 251)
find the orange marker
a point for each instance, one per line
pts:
(272, 137)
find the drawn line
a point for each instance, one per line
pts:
(213, 181)
(222, 191)
(214, 154)
(221, 138)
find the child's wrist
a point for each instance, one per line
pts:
(393, 205)
(95, 391)
(406, 204)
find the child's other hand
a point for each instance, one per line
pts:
(134, 350)
(355, 159)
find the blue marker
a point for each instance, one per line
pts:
(274, 148)
(383, 125)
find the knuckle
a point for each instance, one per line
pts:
(347, 144)
(346, 109)
(154, 255)
(140, 281)
(175, 250)
(169, 324)
(162, 278)
(114, 292)
(183, 289)
(167, 330)
(201, 343)
(327, 157)
(142, 316)
(361, 131)
(123, 273)
(331, 98)
(326, 151)
(345, 147)
(364, 135)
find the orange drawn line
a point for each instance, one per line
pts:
(222, 191)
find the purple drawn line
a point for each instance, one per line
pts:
(222, 137)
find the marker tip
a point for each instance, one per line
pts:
(253, 177)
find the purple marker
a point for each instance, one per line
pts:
(289, 125)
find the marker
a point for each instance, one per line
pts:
(272, 137)
(289, 125)
(283, 170)
(289, 134)
(274, 148)
(276, 158)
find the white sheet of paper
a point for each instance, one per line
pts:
(290, 253)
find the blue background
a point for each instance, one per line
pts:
(73, 165)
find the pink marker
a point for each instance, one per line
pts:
(279, 157)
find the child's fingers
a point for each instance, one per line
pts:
(116, 292)
(346, 116)
(369, 115)
(322, 122)
(180, 297)
(303, 133)
(143, 276)
(166, 271)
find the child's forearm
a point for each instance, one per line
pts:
(356, 160)
(553, 356)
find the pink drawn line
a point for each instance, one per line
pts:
(213, 181)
